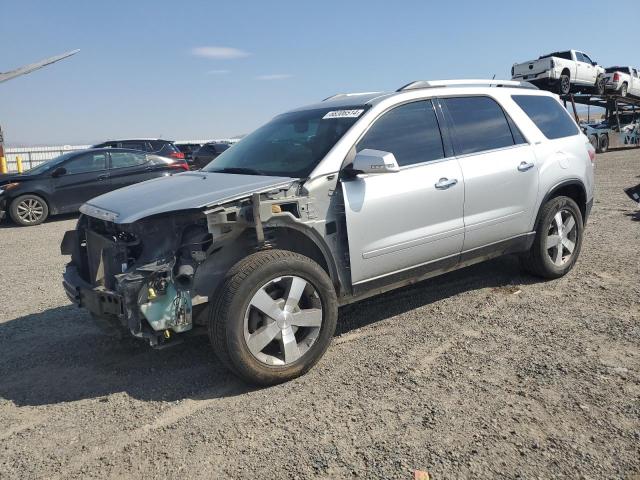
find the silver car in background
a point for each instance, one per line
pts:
(331, 203)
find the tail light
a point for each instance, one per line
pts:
(616, 77)
(183, 165)
(179, 155)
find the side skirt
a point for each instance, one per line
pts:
(376, 286)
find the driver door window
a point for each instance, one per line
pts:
(91, 162)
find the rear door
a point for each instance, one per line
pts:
(129, 167)
(499, 169)
(86, 176)
(396, 221)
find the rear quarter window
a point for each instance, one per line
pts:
(548, 115)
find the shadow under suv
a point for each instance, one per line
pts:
(331, 203)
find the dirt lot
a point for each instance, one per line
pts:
(485, 372)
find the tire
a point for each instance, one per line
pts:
(238, 329)
(593, 140)
(624, 90)
(603, 144)
(29, 210)
(564, 248)
(564, 85)
(600, 85)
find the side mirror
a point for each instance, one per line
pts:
(375, 161)
(58, 172)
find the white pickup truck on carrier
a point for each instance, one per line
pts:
(562, 72)
(623, 80)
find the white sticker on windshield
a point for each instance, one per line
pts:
(343, 114)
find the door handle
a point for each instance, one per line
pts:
(103, 177)
(524, 166)
(445, 183)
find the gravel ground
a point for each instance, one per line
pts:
(484, 372)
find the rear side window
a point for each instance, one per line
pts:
(548, 115)
(410, 132)
(127, 159)
(479, 124)
(135, 145)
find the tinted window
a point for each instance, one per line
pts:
(580, 57)
(617, 69)
(90, 162)
(221, 147)
(127, 159)
(518, 138)
(548, 115)
(566, 55)
(135, 145)
(479, 124)
(586, 58)
(410, 132)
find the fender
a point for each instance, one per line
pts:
(566, 183)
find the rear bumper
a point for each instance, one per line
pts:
(98, 300)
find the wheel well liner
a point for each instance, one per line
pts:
(573, 189)
(566, 72)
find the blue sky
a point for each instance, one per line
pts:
(204, 69)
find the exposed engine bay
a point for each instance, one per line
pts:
(154, 276)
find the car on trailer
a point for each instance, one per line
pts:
(623, 81)
(562, 72)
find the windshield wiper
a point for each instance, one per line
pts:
(239, 170)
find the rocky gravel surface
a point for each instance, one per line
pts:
(485, 372)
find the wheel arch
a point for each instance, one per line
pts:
(567, 72)
(574, 189)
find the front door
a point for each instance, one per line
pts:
(499, 168)
(85, 176)
(397, 221)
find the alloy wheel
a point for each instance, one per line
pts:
(30, 210)
(283, 320)
(562, 237)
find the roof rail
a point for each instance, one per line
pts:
(465, 83)
(340, 95)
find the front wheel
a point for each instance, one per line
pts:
(600, 85)
(558, 239)
(29, 210)
(274, 317)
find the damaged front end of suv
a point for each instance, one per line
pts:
(154, 276)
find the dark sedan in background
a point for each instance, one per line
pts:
(206, 153)
(63, 184)
(157, 146)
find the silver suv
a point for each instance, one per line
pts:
(328, 204)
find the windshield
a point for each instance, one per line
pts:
(290, 145)
(43, 167)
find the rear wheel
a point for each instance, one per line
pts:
(558, 239)
(603, 144)
(624, 90)
(564, 85)
(593, 140)
(274, 317)
(28, 210)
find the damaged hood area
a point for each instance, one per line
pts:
(185, 191)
